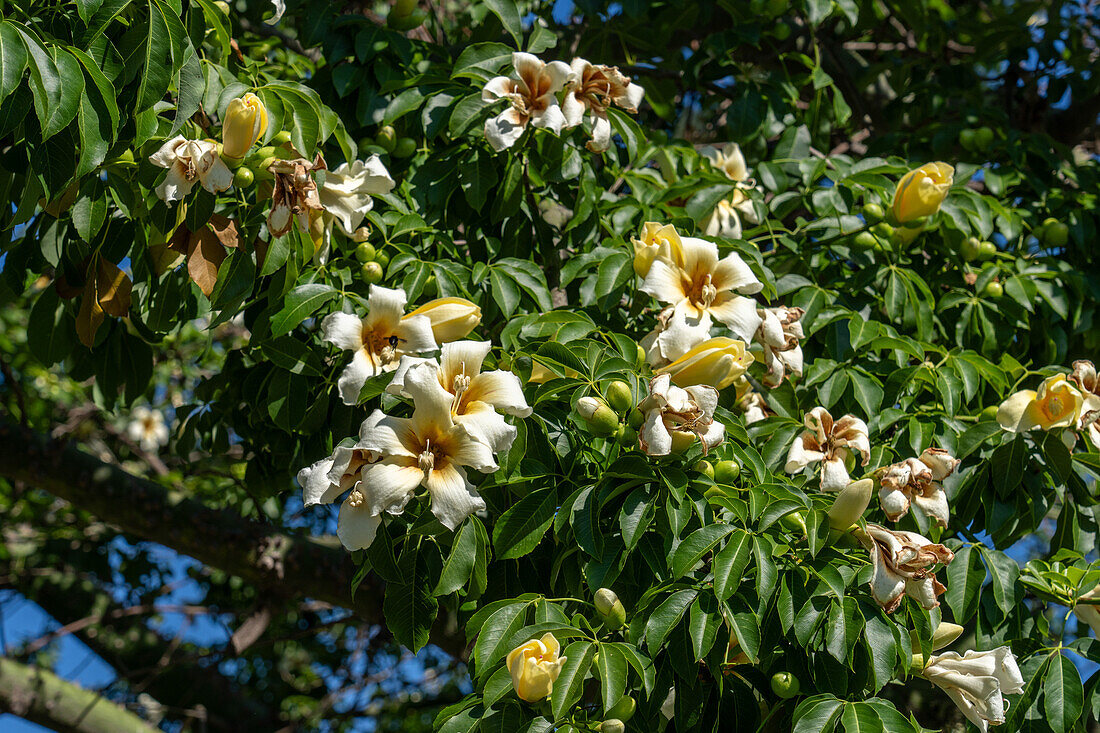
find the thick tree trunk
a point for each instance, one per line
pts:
(283, 563)
(42, 697)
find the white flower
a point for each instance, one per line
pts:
(722, 222)
(532, 99)
(346, 195)
(476, 396)
(831, 443)
(779, 335)
(593, 89)
(903, 564)
(700, 287)
(673, 336)
(189, 161)
(751, 402)
(379, 340)
(977, 682)
(917, 481)
(730, 160)
(674, 417)
(428, 449)
(1088, 383)
(147, 429)
(280, 8)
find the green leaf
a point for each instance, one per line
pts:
(291, 354)
(882, 648)
(300, 303)
(975, 435)
(666, 616)
(465, 113)
(520, 529)
(570, 682)
(498, 628)
(509, 17)
(817, 714)
(460, 563)
(50, 333)
(13, 59)
(965, 576)
(481, 61)
(1008, 464)
(56, 83)
(497, 686)
(611, 668)
(697, 544)
(638, 511)
(860, 718)
(1004, 573)
(703, 625)
(409, 607)
(156, 72)
(1063, 694)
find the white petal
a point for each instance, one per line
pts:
(654, 436)
(601, 134)
(388, 486)
(356, 527)
(498, 87)
(431, 400)
(388, 437)
(488, 426)
(466, 450)
(316, 487)
(664, 283)
(502, 390)
(462, 357)
(681, 335)
(343, 330)
(834, 476)
(218, 177)
(550, 117)
(505, 129)
(175, 186)
(737, 312)
(416, 335)
(165, 157)
(573, 109)
(387, 306)
(453, 496)
(800, 455)
(556, 73)
(354, 376)
(894, 503)
(397, 385)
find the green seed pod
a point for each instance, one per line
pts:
(785, 685)
(624, 709)
(705, 468)
(372, 272)
(873, 212)
(619, 396)
(726, 472)
(626, 436)
(612, 725)
(364, 252)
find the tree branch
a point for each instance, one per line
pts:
(283, 563)
(42, 697)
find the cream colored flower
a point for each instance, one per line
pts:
(476, 397)
(675, 417)
(717, 362)
(451, 318)
(534, 667)
(730, 160)
(830, 443)
(531, 97)
(1089, 613)
(593, 89)
(977, 682)
(921, 191)
(700, 287)
(1057, 404)
(672, 337)
(147, 429)
(1088, 383)
(723, 221)
(903, 565)
(656, 240)
(779, 335)
(188, 162)
(428, 449)
(917, 481)
(294, 196)
(245, 122)
(346, 195)
(751, 402)
(379, 340)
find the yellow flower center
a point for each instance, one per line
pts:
(356, 498)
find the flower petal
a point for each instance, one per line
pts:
(355, 375)
(1013, 413)
(505, 129)
(737, 312)
(356, 526)
(343, 330)
(502, 390)
(386, 307)
(462, 357)
(665, 283)
(388, 486)
(488, 426)
(453, 496)
(316, 487)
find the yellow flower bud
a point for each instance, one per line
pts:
(534, 667)
(452, 318)
(245, 122)
(610, 608)
(717, 362)
(921, 191)
(656, 241)
(850, 503)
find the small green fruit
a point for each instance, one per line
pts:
(364, 252)
(282, 137)
(781, 31)
(864, 241)
(222, 6)
(873, 212)
(626, 436)
(989, 413)
(382, 258)
(883, 230)
(365, 142)
(726, 472)
(971, 249)
(785, 685)
(386, 138)
(624, 709)
(969, 139)
(405, 147)
(612, 725)
(604, 422)
(983, 138)
(639, 359)
(987, 251)
(993, 289)
(619, 396)
(267, 151)
(681, 441)
(1055, 233)
(610, 608)
(244, 177)
(635, 418)
(407, 22)
(372, 272)
(705, 468)
(404, 7)
(777, 7)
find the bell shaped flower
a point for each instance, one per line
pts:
(592, 89)
(779, 335)
(451, 318)
(188, 162)
(379, 340)
(1057, 404)
(346, 195)
(701, 287)
(656, 240)
(829, 443)
(977, 682)
(534, 667)
(428, 449)
(294, 195)
(532, 98)
(1084, 376)
(921, 191)
(903, 564)
(675, 417)
(917, 481)
(147, 429)
(674, 335)
(477, 397)
(717, 362)
(245, 122)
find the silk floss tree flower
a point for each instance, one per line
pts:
(751, 403)
(452, 318)
(244, 123)
(294, 195)
(725, 220)
(1087, 381)
(477, 397)
(592, 89)
(779, 336)
(921, 191)
(903, 564)
(534, 667)
(147, 429)
(701, 288)
(1057, 404)
(977, 682)
(830, 443)
(347, 195)
(190, 162)
(717, 362)
(427, 450)
(675, 417)
(917, 481)
(378, 341)
(656, 240)
(531, 96)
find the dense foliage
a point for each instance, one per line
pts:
(625, 335)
